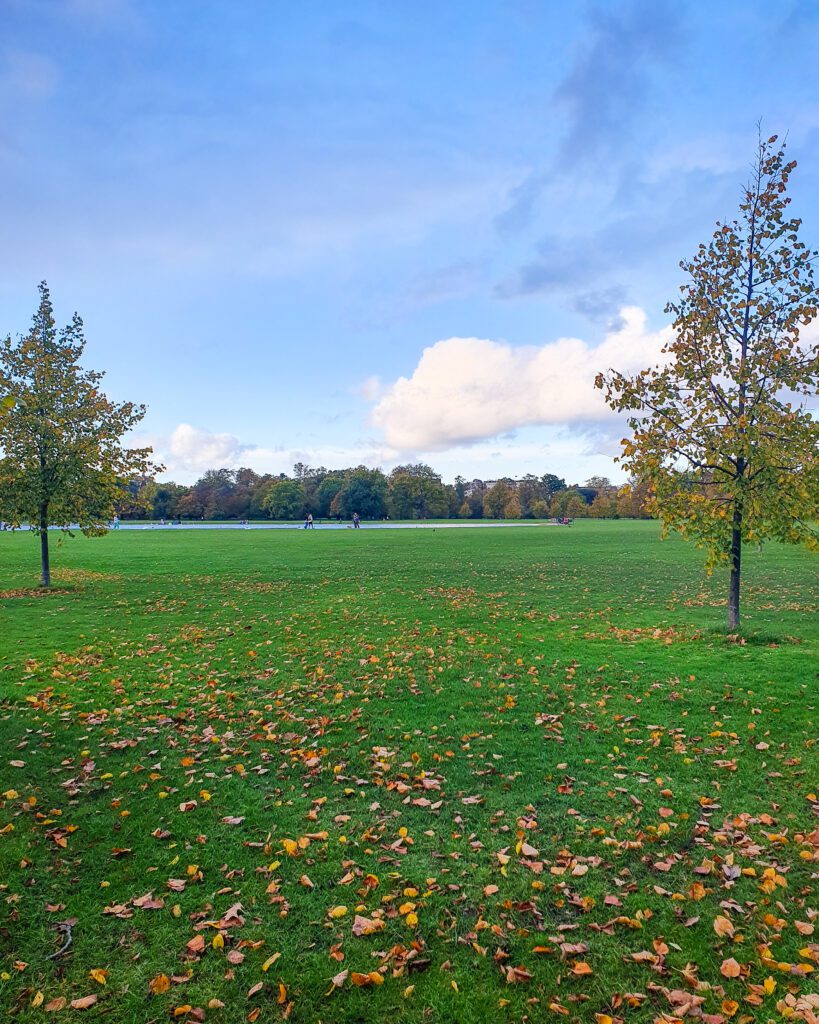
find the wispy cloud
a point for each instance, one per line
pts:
(603, 95)
(610, 79)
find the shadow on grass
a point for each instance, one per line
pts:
(752, 639)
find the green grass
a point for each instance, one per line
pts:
(428, 700)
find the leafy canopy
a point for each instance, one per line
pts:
(61, 456)
(720, 431)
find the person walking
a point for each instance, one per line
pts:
(356, 521)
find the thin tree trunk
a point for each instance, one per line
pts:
(736, 563)
(45, 579)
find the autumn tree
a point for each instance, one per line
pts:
(720, 431)
(496, 499)
(62, 461)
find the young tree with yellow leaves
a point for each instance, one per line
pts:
(61, 458)
(720, 430)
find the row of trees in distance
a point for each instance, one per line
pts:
(408, 492)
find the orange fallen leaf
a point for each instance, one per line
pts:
(723, 926)
(161, 983)
(730, 968)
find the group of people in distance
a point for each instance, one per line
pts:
(309, 525)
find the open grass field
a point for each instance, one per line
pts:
(419, 776)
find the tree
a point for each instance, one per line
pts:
(285, 499)
(62, 462)
(550, 485)
(416, 492)
(496, 499)
(512, 508)
(326, 492)
(364, 491)
(720, 433)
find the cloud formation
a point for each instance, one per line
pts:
(468, 389)
(611, 76)
(188, 451)
(191, 448)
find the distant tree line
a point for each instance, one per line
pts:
(408, 492)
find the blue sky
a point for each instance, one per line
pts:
(381, 232)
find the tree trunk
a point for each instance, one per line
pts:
(736, 563)
(45, 578)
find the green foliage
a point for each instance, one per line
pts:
(416, 492)
(364, 491)
(62, 462)
(719, 433)
(285, 500)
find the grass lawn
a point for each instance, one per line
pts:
(413, 776)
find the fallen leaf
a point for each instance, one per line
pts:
(367, 925)
(723, 926)
(83, 1003)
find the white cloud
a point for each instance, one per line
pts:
(188, 451)
(191, 448)
(468, 389)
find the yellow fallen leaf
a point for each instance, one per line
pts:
(98, 975)
(336, 912)
(38, 999)
(270, 961)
